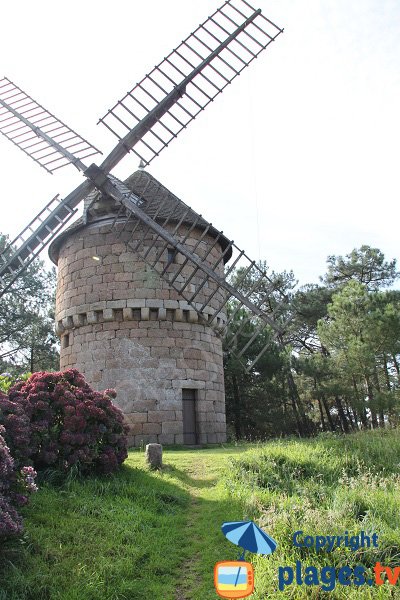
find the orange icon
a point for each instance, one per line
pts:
(234, 578)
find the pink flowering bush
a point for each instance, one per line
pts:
(57, 421)
(15, 486)
(16, 422)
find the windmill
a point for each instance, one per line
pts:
(145, 121)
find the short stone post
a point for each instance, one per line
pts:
(154, 455)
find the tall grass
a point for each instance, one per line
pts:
(325, 486)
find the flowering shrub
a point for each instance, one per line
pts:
(16, 422)
(57, 420)
(14, 489)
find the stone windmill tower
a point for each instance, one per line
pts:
(145, 290)
(125, 327)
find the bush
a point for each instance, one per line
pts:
(14, 489)
(57, 421)
(15, 420)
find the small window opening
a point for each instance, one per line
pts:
(65, 340)
(171, 256)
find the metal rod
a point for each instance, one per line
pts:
(249, 367)
(222, 60)
(173, 233)
(246, 32)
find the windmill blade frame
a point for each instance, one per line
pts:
(38, 133)
(180, 87)
(38, 234)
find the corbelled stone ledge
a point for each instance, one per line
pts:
(135, 310)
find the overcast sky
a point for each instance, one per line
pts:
(298, 159)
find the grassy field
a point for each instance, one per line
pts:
(156, 535)
(327, 486)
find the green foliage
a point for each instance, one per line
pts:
(366, 265)
(348, 347)
(254, 397)
(362, 336)
(7, 380)
(156, 535)
(27, 338)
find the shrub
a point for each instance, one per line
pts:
(57, 421)
(14, 489)
(15, 420)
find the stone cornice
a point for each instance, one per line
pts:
(136, 310)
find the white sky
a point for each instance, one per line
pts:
(298, 159)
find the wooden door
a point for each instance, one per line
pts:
(189, 417)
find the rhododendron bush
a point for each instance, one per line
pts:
(56, 420)
(15, 485)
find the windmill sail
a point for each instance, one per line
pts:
(37, 234)
(38, 133)
(173, 94)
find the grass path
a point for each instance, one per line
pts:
(199, 473)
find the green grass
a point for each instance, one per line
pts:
(324, 487)
(137, 535)
(156, 535)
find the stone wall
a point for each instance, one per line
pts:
(124, 327)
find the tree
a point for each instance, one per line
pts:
(366, 265)
(361, 336)
(262, 399)
(337, 359)
(252, 394)
(27, 338)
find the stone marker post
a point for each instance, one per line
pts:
(154, 455)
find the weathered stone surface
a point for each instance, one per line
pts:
(145, 314)
(91, 317)
(108, 314)
(166, 438)
(128, 314)
(154, 455)
(193, 317)
(172, 427)
(154, 428)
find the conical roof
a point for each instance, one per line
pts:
(157, 202)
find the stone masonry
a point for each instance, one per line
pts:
(124, 327)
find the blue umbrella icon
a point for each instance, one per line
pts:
(248, 536)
